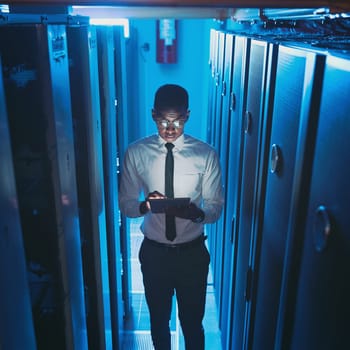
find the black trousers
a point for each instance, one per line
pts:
(185, 271)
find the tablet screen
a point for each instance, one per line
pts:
(160, 205)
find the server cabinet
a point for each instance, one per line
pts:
(211, 76)
(123, 97)
(322, 288)
(217, 51)
(213, 66)
(213, 63)
(217, 227)
(16, 321)
(106, 61)
(223, 154)
(84, 82)
(291, 122)
(219, 76)
(36, 82)
(233, 184)
(252, 126)
(121, 78)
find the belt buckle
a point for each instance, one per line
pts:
(172, 246)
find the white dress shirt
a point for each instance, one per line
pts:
(197, 174)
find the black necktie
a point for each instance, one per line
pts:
(170, 229)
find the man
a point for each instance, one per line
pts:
(173, 255)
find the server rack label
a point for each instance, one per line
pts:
(58, 48)
(20, 75)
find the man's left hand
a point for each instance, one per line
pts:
(190, 212)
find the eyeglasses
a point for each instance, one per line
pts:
(164, 123)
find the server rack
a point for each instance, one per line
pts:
(108, 98)
(121, 78)
(286, 216)
(316, 287)
(36, 84)
(16, 320)
(213, 64)
(85, 99)
(252, 126)
(213, 86)
(217, 238)
(211, 75)
(289, 120)
(234, 170)
(225, 141)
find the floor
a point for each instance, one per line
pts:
(137, 333)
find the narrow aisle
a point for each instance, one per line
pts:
(136, 332)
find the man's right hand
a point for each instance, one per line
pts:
(145, 206)
(155, 195)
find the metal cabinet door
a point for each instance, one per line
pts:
(106, 51)
(219, 77)
(225, 138)
(16, 322)
(213, 66)
(124, 100)
(233, 184)
(322, 305)
(39, 110)
(211, 76)
(216, 239)
(252, 126)
(213, 58)
(84, 82)
(53, 40)
(290, 106)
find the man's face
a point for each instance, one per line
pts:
(170, 123)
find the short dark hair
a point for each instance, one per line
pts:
(171, 96)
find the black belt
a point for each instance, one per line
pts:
(178, 246)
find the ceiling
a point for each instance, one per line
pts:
(310, 20)
(221, 9)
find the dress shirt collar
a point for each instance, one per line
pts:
(178, 143)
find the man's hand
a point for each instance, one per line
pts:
(145, 206)
(191, 212)
(155, 195)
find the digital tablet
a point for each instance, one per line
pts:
(160, 205)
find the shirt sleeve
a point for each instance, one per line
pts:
(129, 187)
(212, 191)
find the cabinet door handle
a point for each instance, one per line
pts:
(247, 121)
(276, 159)
(223, 91)
(233, 101)
(217, 78)
(322, 228)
